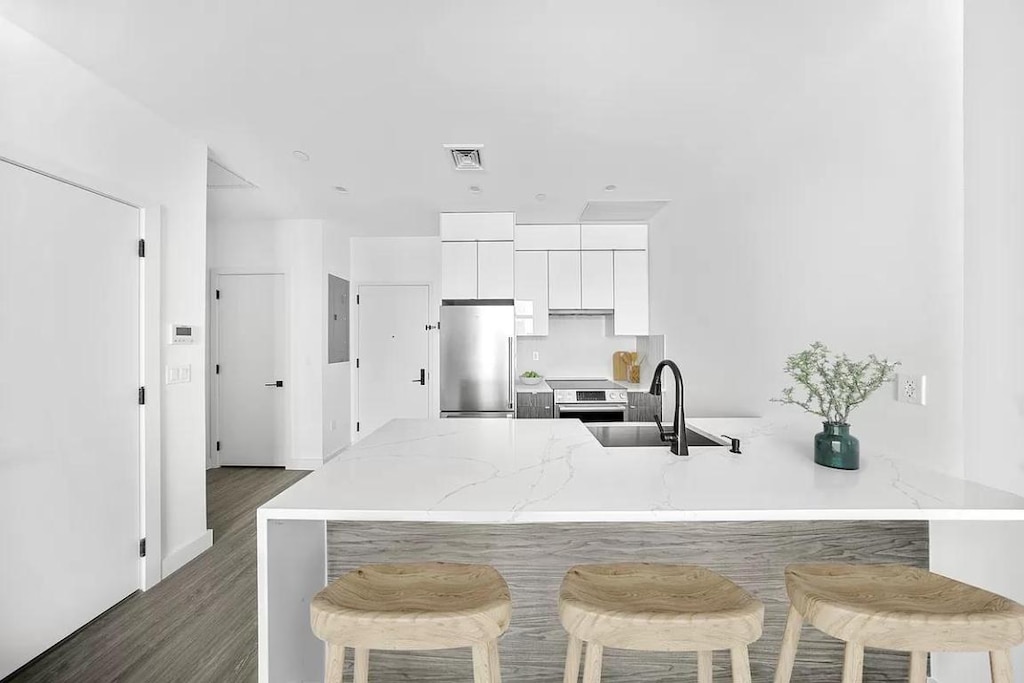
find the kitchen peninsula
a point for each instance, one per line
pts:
(533, 497)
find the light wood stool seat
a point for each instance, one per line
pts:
(656, 607)
(894, 607)
(428, 606)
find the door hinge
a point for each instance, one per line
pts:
(218, 293)
(432, 327)
(357, 298)
(142, 396)
(142, 248)
(217, 370)
(357, 426)
(218, 445)
(142, 547)
(357, 362)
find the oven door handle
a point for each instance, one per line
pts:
(593, 407)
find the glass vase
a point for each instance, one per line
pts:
(835, 447)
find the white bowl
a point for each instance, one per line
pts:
(531, 381)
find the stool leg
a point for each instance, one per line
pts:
(495, 661)
(1002, 669)
(335, 664)
(790, 641)
(592, 667)
(853, 663)
(740, 665)
(705, 666)
(481, 664)
(362, 665)
(572, 660)
(918, 667)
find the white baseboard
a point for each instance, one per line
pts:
(304, 464)
(335, 454)
(186, 553)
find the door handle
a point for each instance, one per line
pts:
(423, 378)
(278, 383)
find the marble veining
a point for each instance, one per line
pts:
(524, 471)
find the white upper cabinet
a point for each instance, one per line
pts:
(597, 278)
(547, 237)
(613, 237)
(458, 270)
(474, 227)
(632, 302)
(531, 293)
(495, 270)
(564, 284)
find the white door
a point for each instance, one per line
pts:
(564, 280)
(598, 279)
(392, 362)
(531, 293)
(251, 360)
(69, 409)
(495, 266)
(632, 298)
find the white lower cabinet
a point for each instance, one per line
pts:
(564, 284)
(458, 270)
(495, 267)
(597, 278)
(632, 299)
(531, 293)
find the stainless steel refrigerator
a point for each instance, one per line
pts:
(478, 347)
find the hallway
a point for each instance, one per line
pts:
(199, 624)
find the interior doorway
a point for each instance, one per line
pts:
(250, 370)
(392, 362)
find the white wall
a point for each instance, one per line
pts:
(574, 347)
(337, 382)
(305, 251)
(52, 108)
(834, 214)
(990, 554)
(396, 260)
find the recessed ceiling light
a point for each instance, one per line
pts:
(300, 155)
(341, 188)
(475, 189)
(540, 196)
(610, 188)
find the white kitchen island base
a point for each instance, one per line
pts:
(551, 474)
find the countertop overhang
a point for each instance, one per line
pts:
(493, 471)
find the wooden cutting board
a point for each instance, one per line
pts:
(621, 360)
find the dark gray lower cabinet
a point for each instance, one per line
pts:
(643, 407)
(539, 405)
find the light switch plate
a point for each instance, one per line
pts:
(178, 374)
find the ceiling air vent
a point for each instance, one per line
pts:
(466, 157)
(620, 211)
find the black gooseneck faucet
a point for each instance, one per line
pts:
(677, 437)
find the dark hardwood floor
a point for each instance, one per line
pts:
(197, 625)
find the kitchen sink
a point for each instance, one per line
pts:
(613, 435)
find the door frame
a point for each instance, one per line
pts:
(150, 339)
(213, 358)
(432, 400)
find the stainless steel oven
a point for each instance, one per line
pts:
(589, 400)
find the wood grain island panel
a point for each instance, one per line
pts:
(534, 557)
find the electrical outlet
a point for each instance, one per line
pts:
(536, 355)
(910, 389)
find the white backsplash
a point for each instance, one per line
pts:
(574, 347)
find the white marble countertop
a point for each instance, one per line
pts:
(519, 471)
(532, 388)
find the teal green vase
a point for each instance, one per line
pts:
(834, 447)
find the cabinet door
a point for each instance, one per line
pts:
(531, 293)
(597, 279)
(495, 270)
(458, 270)
(632, 306)
(470, 227)
(535, 406)
(643, 407)
(613, 237)
(564, 280)
(548, 237)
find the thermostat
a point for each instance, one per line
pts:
(182, 334)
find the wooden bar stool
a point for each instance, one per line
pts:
(656, 607)
(893, 607)
(429, 606)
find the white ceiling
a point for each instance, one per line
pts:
(657, 98)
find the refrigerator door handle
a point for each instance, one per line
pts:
(511, 373)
